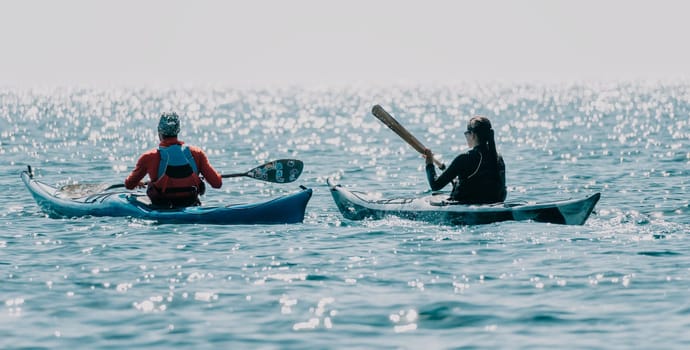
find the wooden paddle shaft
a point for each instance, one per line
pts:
(393, 124)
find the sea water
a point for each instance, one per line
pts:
(620, 281)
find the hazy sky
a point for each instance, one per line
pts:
(254, 42)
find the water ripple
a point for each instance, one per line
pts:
(393, 283)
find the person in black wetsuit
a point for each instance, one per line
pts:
(480, 172)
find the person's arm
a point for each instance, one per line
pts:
(210, 174)
(135, 177)
(451, 172)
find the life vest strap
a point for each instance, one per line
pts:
(191, 189)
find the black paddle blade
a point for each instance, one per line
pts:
(280, 171)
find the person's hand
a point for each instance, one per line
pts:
(141, 184)
(428, 156)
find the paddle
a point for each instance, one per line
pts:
(277, 171)
(393, 124)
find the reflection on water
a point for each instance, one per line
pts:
(373, 284)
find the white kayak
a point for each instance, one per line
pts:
(438, 209)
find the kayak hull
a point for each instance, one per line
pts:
(282, 210)
(436, 209)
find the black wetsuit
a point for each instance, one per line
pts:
(481, 179)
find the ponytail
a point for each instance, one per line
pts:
(492, 144)
(482, 126)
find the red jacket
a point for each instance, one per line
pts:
(148, 165)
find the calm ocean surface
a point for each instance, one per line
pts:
(620, 281)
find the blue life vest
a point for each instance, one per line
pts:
(176, 162)
(178, 182)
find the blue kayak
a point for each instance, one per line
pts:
(282, 210)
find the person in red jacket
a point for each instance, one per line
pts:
(175, 170)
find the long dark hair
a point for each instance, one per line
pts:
(481, 126)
